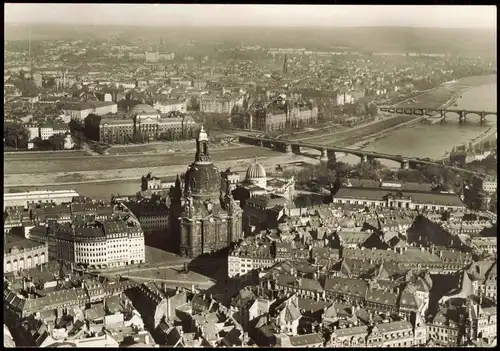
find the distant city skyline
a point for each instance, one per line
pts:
(447, 16)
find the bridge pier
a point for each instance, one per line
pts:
(288, 148)
(295, 149)
(482, 117)
(261, 143)
(461, 116)
(405, 164)
(443, 116)
(331, 154)
(324, 155)
(364, 158)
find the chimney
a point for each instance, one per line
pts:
(440, 254)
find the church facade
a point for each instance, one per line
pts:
(207, 217)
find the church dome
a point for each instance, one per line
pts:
(203, 179)
(256, 171)
(143, 109)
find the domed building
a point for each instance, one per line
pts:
(263, 192)
(256, 175)
(207, 218)
(202, 179)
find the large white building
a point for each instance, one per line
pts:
(246, 258)
(79, 111)
(103, 244)
(166, 106)
(49, 129)
(38, 197)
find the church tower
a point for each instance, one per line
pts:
(285, 66)
(206, 223)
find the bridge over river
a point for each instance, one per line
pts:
(443, 112)
(328, 153)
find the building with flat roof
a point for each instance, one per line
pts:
(395, 195)
(81, 110)
(25, 199)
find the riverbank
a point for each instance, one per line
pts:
(129, 174)
(451, 91)
(361, 143)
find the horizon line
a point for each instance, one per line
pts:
(239, 26)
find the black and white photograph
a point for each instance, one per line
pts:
(250, 175)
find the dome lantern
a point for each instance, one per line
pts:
(202, 136)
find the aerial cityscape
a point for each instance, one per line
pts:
(250, 176)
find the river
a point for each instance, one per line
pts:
(435, 140)
(419, 140)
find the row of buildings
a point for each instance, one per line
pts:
(142, 122)
(278, 113)
(60, 307)
(82, 232)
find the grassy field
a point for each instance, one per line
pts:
(338, 138)
(96, 163)
(42, 155)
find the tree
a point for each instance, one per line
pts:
(367, 170)
(409, 175)
(342, 169)
(359, 109)
(372, 109)
(56, 141)
(16, 135)
(433, 173)
(303, 200)
(37, 142)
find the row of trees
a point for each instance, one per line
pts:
(169, 135)
(55, 142)
(16, 135)
(326, 174)
(213, 120)
(329, 110)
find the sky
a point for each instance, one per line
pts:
(447, 16)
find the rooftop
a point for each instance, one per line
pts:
(13, 242)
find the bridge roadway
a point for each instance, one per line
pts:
(424, 111)
(328, 152)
